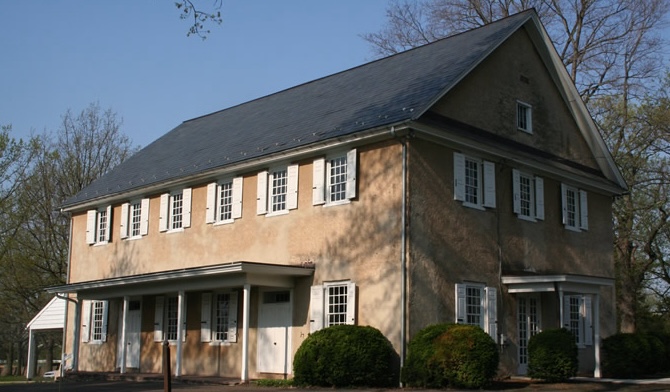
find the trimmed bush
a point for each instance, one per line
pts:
(418, 370)
(629, 355)
(346, 356)
(552, 355)
(451, 355)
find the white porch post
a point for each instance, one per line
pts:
(180, 333)
(124, 335)
(596, 333)
(560, 309)
(30, 371)
(245, 333)
(76, 335)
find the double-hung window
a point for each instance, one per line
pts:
(224, 201)
(135, 219)
(334, 179)
(528, 195)
(218, 321)
(575, 212)
(578, 318)
(277, 190)
(476, 304)
(166, 319)
(94, 321)
(332, 303)
(524, 117)
(474, 181)
(98, 225)
(175, 210)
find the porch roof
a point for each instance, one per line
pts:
(535, 283)
(210, 277)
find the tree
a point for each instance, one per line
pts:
(199, 17)
(612, 51)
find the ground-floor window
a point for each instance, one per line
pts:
(332, 303)
(476, 304)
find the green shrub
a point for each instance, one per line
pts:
(629, 355)
(346, 355)
(418, 371)
(552, 355)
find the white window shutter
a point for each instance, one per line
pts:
(206, 317)
(292, 187)
(319, 181)
(516, 191)
(262, 193)
(583, 210)
(316, 309)
(183, 318)
(85, 320)
(566, 312)
(186, 207)
(105, 318)
(351, 173)
(351, 303)
(459, 176)
(164, 211)
(90, 226)
(108, 232)
(460, 303)
(588, 321)
(124, 220)
(158, 319)
(539, 198)
(492, 313)
(489, 184)
(564, 204)
(210, 211)
(144, 217)
(232, 317)
(238, 183)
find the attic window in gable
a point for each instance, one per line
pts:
(524, 118)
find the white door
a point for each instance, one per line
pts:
(528, 319)
(274, 332)
(133, 329)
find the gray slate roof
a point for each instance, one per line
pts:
(383, 92)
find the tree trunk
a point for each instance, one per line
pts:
(627, 306)
(7, 370)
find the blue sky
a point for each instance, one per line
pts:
(134, 57)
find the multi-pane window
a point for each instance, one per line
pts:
(528, 324)
(94, 321)
(477, 305)
(337, 179)
(98, 225)
(278, 190)
(336, 312)
(221, 316)
(474, 181)
(574, 317)
(176, 211)
(171, 318)
(528, 195)
(135, 219)
(577, 318)
(575, 208)
(524, 120)
(334, 179)
(97, 320)
(225, 201)
(473, 305)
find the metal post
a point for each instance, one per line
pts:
(167, 376)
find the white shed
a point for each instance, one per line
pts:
(50, 318)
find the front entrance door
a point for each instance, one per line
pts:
(528, 319)
(274, 332)
(133, 329)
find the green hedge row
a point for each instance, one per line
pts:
(630, 355)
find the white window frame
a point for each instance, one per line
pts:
(166, 221)
(536, 192)
(488, 307)
(524, 117)
(266, 192)
(209, 327)
(213, 213)
(321, 309)
(485, 186)
(93, 226)
(94, 329)
(322, 189)
(129, 212)
(578, 318)
(161, 318)
(575, 210)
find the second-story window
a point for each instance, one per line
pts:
(524, 118)
(175, 210)
(334, 179)
(98, 225)
(575, 211)
(474, 181)
(528, 195)
(224, 201)
(135, 218)
(277, 190)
